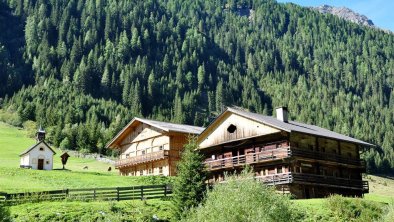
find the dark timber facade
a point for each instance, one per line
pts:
(304, 160)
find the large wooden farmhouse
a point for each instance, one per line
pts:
(149, 147)
(304, 160)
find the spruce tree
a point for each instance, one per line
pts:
(189, 186)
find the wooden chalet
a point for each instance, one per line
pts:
(304, 160)
(149, 147)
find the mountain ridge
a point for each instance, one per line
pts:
(349, 15)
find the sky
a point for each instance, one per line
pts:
(381, 12)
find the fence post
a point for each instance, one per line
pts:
(117, 193)
(165, 190)
(94, 194)
(142, 192)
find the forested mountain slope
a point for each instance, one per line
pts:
(184, 60)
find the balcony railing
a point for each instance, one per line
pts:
(279, 153)
(276, 179)
(240, 160)
(132, 161)
(326, 156)
(286, 178)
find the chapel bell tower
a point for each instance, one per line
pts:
(40, 135)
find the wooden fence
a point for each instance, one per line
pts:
(87, 194)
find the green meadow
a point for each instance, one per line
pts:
(13, 141)
(13, 179)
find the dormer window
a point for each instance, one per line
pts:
(231, 128)
(41, 148)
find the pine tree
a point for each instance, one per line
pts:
(136, 106)
(189, 185)
(178, 116)
(201, 76)
(219, 97)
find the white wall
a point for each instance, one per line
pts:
(36, 153)
(25, 160)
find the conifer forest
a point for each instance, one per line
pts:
(84, 68)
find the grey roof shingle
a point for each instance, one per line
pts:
(35, 145)
(165, 126)
(173, 127)
(292, 126)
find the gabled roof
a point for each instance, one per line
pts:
(292, 126)
(165, 126)
(34, 146)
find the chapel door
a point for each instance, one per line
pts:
(40, 164)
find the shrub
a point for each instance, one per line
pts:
(10, 117)
(65, 144)
(4, 213)
(353, 209)
(388, 215)
(241, 198)
(30, 127)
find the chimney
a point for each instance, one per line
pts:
(282, 114)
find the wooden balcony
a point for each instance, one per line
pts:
(276, 179)
(251, 158)
(280, 153)
(135, 160)
(326, 156)
(312, 179)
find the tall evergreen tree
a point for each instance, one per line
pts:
(189, 185)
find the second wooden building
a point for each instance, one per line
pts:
(149, 147)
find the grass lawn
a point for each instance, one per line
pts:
(13, 141)
(92, 211)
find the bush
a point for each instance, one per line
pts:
(353, 209)
(4, 213)
(30, 127)
(241, 198)
(10, 117)
(388, 216)
(65, 144)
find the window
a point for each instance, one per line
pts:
(143, 152)
(141, 172)
(47, 162)
(41, 148)
(213, 157)
(279, 170)
(127, 155)
(160, 170)
(231, 128)
(160, 147)
(150, 171)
